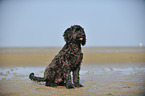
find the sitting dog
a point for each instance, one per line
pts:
(68, 60)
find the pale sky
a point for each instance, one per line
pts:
(41, 23)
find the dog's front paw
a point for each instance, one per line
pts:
(69, 86)
(78, 85)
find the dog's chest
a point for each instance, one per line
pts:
(75, 59)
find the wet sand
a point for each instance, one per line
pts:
(111, 73)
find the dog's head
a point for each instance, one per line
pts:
(75, 34)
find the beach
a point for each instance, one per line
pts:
(105, 71)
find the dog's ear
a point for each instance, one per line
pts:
(67, 35)
(84, 40)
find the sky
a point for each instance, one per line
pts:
(41, 23)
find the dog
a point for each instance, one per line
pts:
(68, 60)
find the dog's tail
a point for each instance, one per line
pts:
(34, 78)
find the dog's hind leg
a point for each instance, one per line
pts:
(50, 78)
(50, 83)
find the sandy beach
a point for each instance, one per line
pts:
(104, 72)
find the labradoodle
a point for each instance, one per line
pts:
(68, 60)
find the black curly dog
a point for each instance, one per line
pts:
(68, 60)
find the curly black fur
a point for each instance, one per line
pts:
(68, 60)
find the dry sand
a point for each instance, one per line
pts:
(42, 59)
(102, 73)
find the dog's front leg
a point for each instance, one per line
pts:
(76, 78)
(67, 76)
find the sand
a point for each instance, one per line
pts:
(113, 73)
